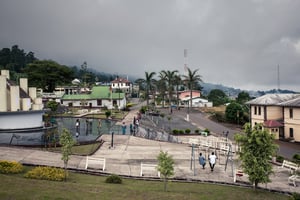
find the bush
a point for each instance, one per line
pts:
(175, 131)
(143, 109)
(46, 173)
(295, 196)
(181, 132)
(113, 179)
(10, 167)
(296, 158)
(187, 131)
(197, 131)
(279, 159)
(207, 131)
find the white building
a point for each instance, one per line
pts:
(20, 108)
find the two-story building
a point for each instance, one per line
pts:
(121, 84)
(278, 113)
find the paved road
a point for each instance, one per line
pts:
(200, 120)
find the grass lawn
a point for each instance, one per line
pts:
(81, 186)
(85, 149)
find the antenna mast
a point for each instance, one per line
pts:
(185, 60)
(278, 79)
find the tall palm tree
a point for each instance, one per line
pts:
(149, 81)
(177, 82)
(162, 87)
(191, 79)
(139, 81)
(170, 78)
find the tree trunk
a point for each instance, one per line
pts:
(165, 184)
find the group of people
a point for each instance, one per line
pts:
(211, 158)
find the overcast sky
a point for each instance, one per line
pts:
(237, 43)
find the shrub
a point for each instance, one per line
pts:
(113, 179)
(143, 109)
(197, 131)
(207, 131)
(10, 167)
(187, 131)
(279, 159)
(181, 132)
(296, 158)
(175, 131)
(46, 173)
(295, 196)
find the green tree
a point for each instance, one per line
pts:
(191, 80)
(46, 74)
(67, 142)
(165, 166)
(139, 82)
(257, 148)
(169, 77)
(53, 105)
(234, 113)
(218, 97)
(149, 82)
(243, 97)
(177, 82)
(162, 87)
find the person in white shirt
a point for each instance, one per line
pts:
(212, 160)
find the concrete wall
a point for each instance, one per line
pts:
(14, 98)
(274, 113)
(21, 120)
(293, 123)
(5, 72)
(32, 92)
(3, 97)
(24, 84)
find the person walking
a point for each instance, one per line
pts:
(212, 160)
(202, 160)
(123, 128)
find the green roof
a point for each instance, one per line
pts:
(98, 92)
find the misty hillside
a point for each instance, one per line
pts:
(207, 87)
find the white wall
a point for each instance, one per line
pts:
(21, 120)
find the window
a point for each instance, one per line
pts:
(291, 132)
(259, 110)
(255, 110)
(291, 113)
(99, 102)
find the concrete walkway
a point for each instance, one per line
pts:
(129, 151)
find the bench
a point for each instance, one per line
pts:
(293, 167)
(149, 168)
(95, 163)
(294, 179)
(238, 173)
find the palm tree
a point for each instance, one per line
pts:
(139, 81)
(191, 79)
(177, 82)
(161, 86)
(149, 81)
(170, 78)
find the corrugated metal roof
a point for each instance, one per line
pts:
(293, 102)
(98, 92)
(272, 124)
(273, 99)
